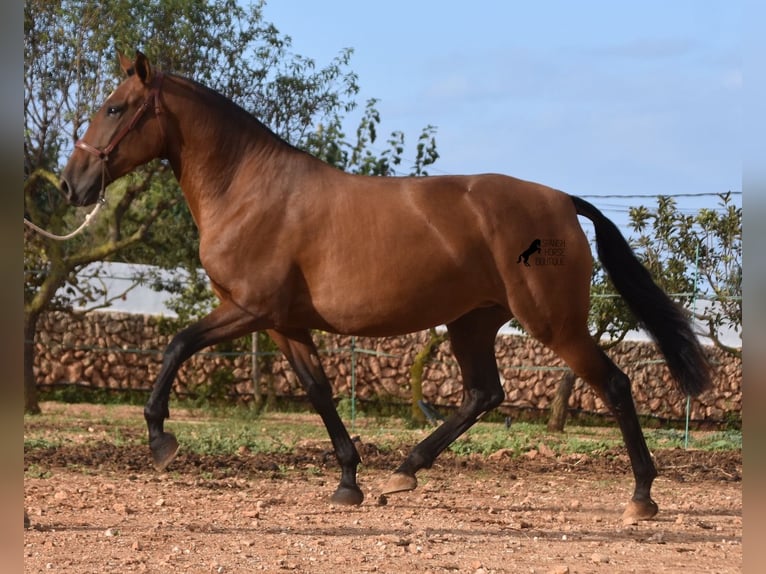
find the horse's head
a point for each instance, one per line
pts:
(125, 133)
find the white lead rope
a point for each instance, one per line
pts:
(88, 219)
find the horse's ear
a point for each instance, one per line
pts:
(142, 67)
(126, 64)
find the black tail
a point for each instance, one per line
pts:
(664, 319)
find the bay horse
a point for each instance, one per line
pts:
(291, 244)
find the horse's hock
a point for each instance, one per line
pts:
(124, 351)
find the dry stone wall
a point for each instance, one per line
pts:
(123, 351)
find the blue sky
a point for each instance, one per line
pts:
(591, 97)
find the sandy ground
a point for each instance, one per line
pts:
(100, 508)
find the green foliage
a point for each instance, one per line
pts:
(722, 440)
(697, 256)
(587, 445)
(349, 408)
(81, 394)
(217, 439)
(216, 390)
(330, 144)
(675, 438)
(486, 438)
(70, 66)
(234, 430)
(665, 244)
(40, 443)
(35, 471)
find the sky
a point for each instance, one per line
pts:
(595, 98)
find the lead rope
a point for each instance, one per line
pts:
(88, 218)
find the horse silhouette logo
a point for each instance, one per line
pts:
(534, 247)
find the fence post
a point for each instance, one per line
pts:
(353, 384)
(255, 371)
(694, 315)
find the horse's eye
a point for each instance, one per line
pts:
(113, 111)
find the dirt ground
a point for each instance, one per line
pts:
(103, 509)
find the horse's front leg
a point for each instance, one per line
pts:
(304, 359)
(225, 322)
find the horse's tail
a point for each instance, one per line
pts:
(666, 321)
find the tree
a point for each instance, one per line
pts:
(417, 370)
(330, 144)
(70, 65)
(693, 257)
(699, 257)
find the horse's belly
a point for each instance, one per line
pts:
(393, 309)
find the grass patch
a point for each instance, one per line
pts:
(486, 438)
(228, 431)
(73, 394)
(36, 442)
(721, 440)
(229, 437)
(36, 471)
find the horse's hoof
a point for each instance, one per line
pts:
(347, 496)
(399, 482)
(164, 449)
(639, 510)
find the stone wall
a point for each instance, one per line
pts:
(122, 351)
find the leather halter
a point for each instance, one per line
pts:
(152, 97)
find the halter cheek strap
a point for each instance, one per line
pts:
(153, 97)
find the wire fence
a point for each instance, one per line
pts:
(354, 352)
(362, 371)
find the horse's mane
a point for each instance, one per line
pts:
(218, 101)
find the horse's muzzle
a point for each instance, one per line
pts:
(78, 200)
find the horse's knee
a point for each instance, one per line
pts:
(153, 412)
(484, 400)
(617, 391)
(495, 398)
(318, 391)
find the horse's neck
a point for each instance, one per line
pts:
(213, 136)
(218, 142)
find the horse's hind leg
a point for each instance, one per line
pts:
(613, 386)
(225, 322)
(473, 343)
(302, 354)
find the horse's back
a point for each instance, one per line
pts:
(437, 247)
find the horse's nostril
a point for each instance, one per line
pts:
(65, 189)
